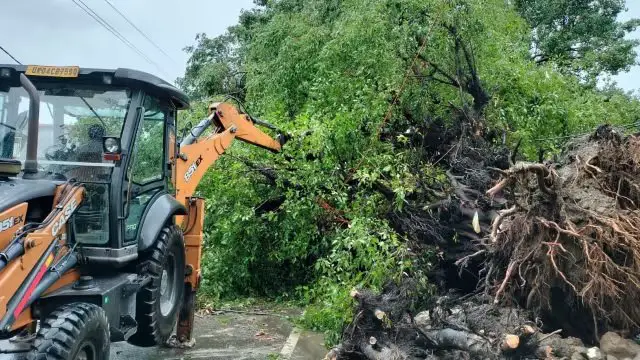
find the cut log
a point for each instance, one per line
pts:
(475, 345)
(510, 342)
(528, 330)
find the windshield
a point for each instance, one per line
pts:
(73, 122)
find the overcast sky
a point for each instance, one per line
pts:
(631, 80)
(58, 32)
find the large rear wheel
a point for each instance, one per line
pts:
(158, 303)
(78, 331)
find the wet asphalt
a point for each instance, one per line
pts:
(236, 336)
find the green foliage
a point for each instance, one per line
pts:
(314, 224)
(583, 37)
(544, 109)
(148, 158)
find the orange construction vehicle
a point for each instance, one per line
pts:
(100, 228)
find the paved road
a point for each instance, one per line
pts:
(231, 336)
(238, 337)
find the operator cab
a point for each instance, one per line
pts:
(111, 130)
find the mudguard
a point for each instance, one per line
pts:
(163, 208)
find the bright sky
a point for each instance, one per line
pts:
(57, 32)
(631, 80)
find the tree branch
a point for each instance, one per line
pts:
(436, 69)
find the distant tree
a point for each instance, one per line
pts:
(215, 65)
(583, 37)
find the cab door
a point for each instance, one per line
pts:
(147, 173)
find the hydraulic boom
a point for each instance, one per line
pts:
(191, 163)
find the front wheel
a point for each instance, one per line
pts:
(77, 331)
(158, 303)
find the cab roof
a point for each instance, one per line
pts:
(120, 76)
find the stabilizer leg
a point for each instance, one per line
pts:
(193, 238)
(186, 317)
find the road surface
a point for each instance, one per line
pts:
(239, 337)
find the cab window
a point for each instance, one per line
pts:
(147, 169)
(147, 163)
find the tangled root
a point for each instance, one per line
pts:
(572, 230)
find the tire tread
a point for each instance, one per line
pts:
(54, 340)
(148, 333)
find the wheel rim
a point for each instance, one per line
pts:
(86, 352)
(168, 286)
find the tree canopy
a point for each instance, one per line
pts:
(581, 36)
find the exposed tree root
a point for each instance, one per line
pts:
(574, 231)
(560, 240)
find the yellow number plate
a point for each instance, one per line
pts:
(53, 71)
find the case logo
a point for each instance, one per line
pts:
(10, 222)
(66, 214)
(192, 169)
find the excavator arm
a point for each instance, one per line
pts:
(194, 158)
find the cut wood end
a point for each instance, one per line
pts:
(380, 314)
(544, 352)
(331, 355)
(528, 330)
(510, 342)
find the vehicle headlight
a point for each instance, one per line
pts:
(111, 145)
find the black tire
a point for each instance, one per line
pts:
(158, 303)
(77, 331)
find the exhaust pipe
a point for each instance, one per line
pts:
(31, 163)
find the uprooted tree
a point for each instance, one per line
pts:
(402, 114)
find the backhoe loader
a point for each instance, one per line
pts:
(101, 229)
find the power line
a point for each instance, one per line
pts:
(95, 16)
(138, 30)
(11, 56)
(87, 9)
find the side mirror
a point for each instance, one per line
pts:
(111, 148)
